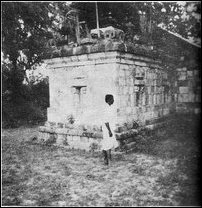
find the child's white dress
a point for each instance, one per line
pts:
(109, 116)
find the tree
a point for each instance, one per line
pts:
(182, 18)
(117, 14)
(26, 28)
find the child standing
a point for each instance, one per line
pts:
(108, 127)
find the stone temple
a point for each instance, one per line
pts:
(149, 83)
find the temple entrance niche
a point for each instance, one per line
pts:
(79, 97)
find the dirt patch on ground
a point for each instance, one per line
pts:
(163, 172)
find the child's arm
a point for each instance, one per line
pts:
(108, 127)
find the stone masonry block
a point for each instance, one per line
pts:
(138, 63)
(143, 100)
(183, 98)
(191, 97)
(83, 57)
(190, 73)
(175, 83)
(184, 68)
(182, 83)
(139, 82)
(197, 110)
(196, 72)
(197, 98)
(60, 125)
(183, 89)
(60, 139)
(182, 76)
(181, 69)
(150, 99)
(84, 139)
(61, 131)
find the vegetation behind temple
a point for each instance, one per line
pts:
(23, 103)
(25, 31)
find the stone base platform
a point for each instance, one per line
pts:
(89, 139)
(70, 138)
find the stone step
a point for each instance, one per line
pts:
(73, 132)
(126, 134)
(130, 145)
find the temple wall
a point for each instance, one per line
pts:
(144, 88)
(188, 89)
(78, 88)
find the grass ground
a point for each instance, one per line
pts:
(162, 171)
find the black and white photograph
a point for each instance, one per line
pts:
(101, 103)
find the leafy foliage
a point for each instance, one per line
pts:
(25, 28)
(120, 15)
(22, 103)
(183, 19)
(31, 108)
(175, 17)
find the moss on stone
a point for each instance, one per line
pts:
(103, 46)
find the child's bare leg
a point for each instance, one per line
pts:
(106, 161)
(109, 154)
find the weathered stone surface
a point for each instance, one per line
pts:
(61, 131)
(61, 139)
(183, 98)
(46, 129)
(190, 73)
(182, 75)
(183, 89)
(126, 134)
(80, 77)
(131, 145)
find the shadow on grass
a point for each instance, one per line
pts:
(179, 137)
(178, 140)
